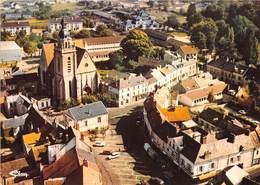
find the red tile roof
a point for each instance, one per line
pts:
(15, 24)
(186, 49)
(103, 40)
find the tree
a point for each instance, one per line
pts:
(44, 11)
(200, 40)
(136, 44)
(5, 36)
(248, 10)
(30, 47)
(191, 12)
(55, 35)
(209, 28)
(241, 24)
(103, 30)
(215, 12)
(173, 21)
(89, 99)
(83, 34)
(21, 38)
(117, 60)
(196, 18)
(250, 53)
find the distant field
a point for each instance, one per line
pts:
(35, 23)
(64, 6)
(161, 16)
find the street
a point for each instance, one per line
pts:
(133, 164)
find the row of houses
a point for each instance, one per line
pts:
(234, 73)
(52, 153)
(135, 87)
(204, 147)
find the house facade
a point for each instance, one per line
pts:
(71, 24)
(87, 117)
(199, 90)
(126, 93)
(13, 27)
(228, 71)
(99, 48)
(199, 153)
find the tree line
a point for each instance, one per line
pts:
(232, 32)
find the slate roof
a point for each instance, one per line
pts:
(87, 111)
(14, 122)
(229, 66)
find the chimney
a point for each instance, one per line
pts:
(203, 139)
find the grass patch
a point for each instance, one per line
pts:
(65, 6)
(104, 72)
(161, 16)
(35, 23)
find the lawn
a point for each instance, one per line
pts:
(35, 23)
(161, 16)
(64, 6)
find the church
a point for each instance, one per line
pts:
(67, 70)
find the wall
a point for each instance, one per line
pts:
(92, 123)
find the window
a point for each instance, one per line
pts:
(212, 165)
(99, 119)
(42, 104)
(59, 63)
(201, 168)
(238, 158)
(69, 65)
(86, 123)
(232, 159)
(257, 152)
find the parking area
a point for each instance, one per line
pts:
(133, 163)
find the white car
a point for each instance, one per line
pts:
(243, 112)
(232, 92)
(17, 173)
(113, 155)
(100, 143)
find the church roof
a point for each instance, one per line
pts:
(48, 50)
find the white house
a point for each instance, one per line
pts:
(42, 103)
(199, 90)
(129, 90)
(15, 26)
(71, 24)
(87, 117)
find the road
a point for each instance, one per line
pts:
(134, 164)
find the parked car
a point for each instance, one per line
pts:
(100, 144)
(243, 112)
(113, 155)
(156, 181)
(231, 92)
